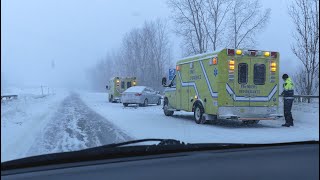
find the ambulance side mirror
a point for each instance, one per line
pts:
(164, 81)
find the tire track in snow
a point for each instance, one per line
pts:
(75, 126)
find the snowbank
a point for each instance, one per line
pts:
(23, 119)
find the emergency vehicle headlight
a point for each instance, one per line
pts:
(134, 83)
(273, 64)
(231, 62)
(178, 68)
(196, 97)
(118, 81)
(238, 52)
(231, 67)
(273, 69)
(267, 54)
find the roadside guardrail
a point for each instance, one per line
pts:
(303, 98)
(7, 97)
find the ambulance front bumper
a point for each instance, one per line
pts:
(249, 113)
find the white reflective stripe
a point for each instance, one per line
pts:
(288, 97)
(263, 98)
(169, 89)
(186, 84)
(198, 59)
(213, 94)
(274, 90)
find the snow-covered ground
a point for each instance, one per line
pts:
(66, 121)
(23, 119)
(150, 122)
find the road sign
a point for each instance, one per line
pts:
(172, 72)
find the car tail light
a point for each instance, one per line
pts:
(138, 94)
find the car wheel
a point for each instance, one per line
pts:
(125, 104)
(165, 109)
(145, 103)
(159, 102)
(250, 122)
(198, 114)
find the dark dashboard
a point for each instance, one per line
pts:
(275, 162)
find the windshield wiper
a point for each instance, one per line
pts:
(162, 142)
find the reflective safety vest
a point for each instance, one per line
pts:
(288, 88)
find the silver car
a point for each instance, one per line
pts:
(141, 95)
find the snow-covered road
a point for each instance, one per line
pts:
(61, 123)
(71, 121)
(74, 126)
(150, 122)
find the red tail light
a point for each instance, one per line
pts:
(230, 52)
(274, 54)
(138, 94)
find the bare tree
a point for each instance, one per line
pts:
(218, 11)
(305, 17)
(246, 19)
(146, 53)
(191, 18)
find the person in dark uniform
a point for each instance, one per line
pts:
(287, 93)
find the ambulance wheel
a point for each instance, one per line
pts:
(159, 102)
(198, 114)
(111, 98)
(250, 122)
(125, 104)
(165, 109)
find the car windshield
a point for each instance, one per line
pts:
(83, 74)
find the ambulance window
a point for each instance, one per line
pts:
(259, 74)
(242, 73)
(122, 85)
(128, 84)
(173, 82)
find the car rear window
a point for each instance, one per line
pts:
(259, 74)
(136, 89)
(242, 73)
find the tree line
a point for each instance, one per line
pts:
(145, 53)
(208, 25)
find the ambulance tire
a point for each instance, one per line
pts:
(165, 106)
(250, 122)
(111, 99)
(198, 114)
(159, 102)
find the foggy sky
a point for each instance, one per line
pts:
(75, 34)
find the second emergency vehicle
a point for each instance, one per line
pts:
(118, 85)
